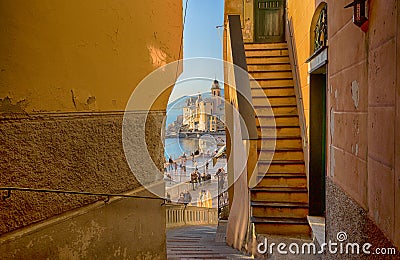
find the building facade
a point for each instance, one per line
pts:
(205, 115)
(346, 77)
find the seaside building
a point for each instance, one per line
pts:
(205, 115)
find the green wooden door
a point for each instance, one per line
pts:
(269, 22)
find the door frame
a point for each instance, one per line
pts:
(271, 39)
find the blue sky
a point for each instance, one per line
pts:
(201, 39)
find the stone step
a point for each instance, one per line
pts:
(274, 101)
(263, 46)
(281, 226)
(271, 83)
(279, 209)
(267, 60)
(279, 194)
(283, 180)
(281, 155)
(266, 52)
(278, 120)
(268, 67)
(283, 167)
(272, 75)
(280, 143)
(278, 131)
(268, 110)
(274, 92)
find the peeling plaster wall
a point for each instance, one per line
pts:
(83, 55)
(58, 58)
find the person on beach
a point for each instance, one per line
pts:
(184, 166)
(181, 198)
(165, 167)
(198, 176)
(170, 162)
(220, 176)
(187, 197)
(176, 167)
(193, 179)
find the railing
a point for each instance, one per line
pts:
(178, 215)
(297, 87)
(223, 196)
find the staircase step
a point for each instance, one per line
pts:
(279, 194)
(271, 83)
(274, 101)
(284, 154)
(281, 226)
(263, 46)
(266, 52)
(290, 120)
(278, 209)
(283, 175)
(272, 75)
(278, 131)
(267, 60)
(267, 110)
(274, 92)
(280, 143)
(283, 180)
(268, 167)
(268, 67)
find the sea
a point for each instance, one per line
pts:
(175, 147)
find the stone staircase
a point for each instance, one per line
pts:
(279, 202)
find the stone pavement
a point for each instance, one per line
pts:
(198, 242)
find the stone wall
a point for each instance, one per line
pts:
(126, 228)
(80, 152)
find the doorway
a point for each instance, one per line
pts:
(269, 23)
(317, 163)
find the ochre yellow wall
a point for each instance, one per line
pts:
(102, 49)
(300, 13)
(68, 56)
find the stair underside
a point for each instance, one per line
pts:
(279, 201)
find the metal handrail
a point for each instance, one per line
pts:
(242, 82)
(108, 195)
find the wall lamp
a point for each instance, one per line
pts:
(359, 14)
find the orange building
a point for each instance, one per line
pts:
(330, 84)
